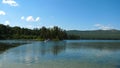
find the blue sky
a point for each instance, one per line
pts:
(67, 14)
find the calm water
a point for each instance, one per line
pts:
(61, 54)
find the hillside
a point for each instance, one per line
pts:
(96, 34)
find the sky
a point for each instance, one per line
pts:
(66, 14)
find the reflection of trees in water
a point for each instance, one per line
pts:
(53, 47)
(57, 49)
(4, 47)
(33, 53)
(43, 48)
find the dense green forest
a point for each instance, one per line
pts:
(96, 34)
(55, 33)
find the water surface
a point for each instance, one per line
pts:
(61, 54)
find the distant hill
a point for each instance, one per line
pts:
(96, 34)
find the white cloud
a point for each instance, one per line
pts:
(30, 19)
(22, 18)
(7, 23)
(103, 27)
(37, 19)
(2, 13)
(10, 2)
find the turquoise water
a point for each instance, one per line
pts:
(62, 54)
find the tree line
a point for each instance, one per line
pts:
(55, 33)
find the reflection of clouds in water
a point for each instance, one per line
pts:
(103, 53)
(29, 55)
(28, 60)
(36, 58)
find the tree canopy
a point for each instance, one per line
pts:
(55, 33)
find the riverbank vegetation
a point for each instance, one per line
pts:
(55, 33)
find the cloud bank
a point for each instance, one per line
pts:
(10, 2)
(103, 27)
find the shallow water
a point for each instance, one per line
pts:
(62, 54)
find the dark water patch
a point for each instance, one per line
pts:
(6, 46)
(117, 66)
